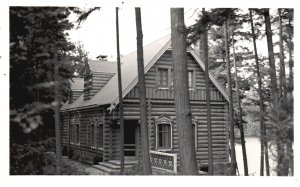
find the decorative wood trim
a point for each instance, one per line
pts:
(163, 120)
(74, 121)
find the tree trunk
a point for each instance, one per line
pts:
(142, 94)
(208, 111)
(232, 136)
(264, 144)
(282, 76)
(240, 112)
(290, 157)
(181, 93)
(57, 120)
(120, 96)
(273, 84)
(291, 61)
(271, 59)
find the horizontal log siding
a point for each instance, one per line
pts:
(94, 82)
(74, 94)
(107, 139)
(152, 92)
(64, 129)
(83, 151)
(219, 129)
(99, 80)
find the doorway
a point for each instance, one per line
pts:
(130, 137)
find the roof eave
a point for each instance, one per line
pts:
(211, 77)
(147, 68)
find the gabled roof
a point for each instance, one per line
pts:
(211, 77)
(77, 84)
(109, 93)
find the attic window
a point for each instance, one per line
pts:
(163, 77)
(191, 79)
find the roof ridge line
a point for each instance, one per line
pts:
(147, 68)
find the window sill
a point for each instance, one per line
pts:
(163, 88)
(164, 149)
(73, 143)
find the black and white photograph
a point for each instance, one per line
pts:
(126, 90)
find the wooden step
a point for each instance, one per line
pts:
(105, 170)
(112, 167)
(126, 162)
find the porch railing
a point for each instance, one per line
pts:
(163, 161)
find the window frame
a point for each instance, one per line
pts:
(98, 123)
(75, 129)
(158, 77)
(193, 79)
(91, 135)
(163, 121)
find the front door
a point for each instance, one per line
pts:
(130, 137)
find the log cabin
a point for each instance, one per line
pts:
(90, 120)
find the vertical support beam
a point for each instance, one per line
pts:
(150, 129)
(120, 95)
(106, 139)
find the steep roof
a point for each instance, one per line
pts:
(109, 93)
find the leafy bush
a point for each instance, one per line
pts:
(28, 159)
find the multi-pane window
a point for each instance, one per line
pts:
(91, 135)
(77, 133)
(164, 135)
(163, 77)
(99, 135)
(191, 79)
(74, 129)
(95, 134)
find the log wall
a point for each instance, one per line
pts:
(82, 151)
(165, 61)
(157, 108)
(94, 82)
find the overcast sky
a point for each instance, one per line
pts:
(98, 32)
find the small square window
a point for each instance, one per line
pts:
(163, 77)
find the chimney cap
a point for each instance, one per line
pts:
(102, 57)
